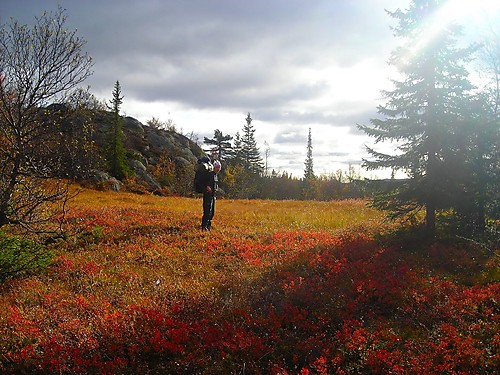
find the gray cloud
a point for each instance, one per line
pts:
(221, 53)
(293, 64)
(290, 137)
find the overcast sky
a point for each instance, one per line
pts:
(293, 64)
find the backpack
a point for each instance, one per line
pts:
(201, 176)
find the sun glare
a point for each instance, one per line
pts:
(467, 13)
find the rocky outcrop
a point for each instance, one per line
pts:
(141, 172)
(105, 180)
(147, 147)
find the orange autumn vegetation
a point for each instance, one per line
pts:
(277, 287)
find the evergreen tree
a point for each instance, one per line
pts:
(117, 160)
(309, 182)
(309, 170)
(245, 166)
(422, 112)
(222, 144)
(250, 153)
(237, 153)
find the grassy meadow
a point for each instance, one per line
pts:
(277, 287)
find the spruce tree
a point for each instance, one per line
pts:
(250, 153)
(309, 170)
(236, 153)
(309, 185)
(117, 160)
(422, 112)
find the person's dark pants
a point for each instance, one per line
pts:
(208, 210)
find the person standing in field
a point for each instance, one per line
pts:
(206, 183)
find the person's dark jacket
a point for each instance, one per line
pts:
(208, 180)
(205, 177)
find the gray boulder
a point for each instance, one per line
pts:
(141, 172)
(105, 179)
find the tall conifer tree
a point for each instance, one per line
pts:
(309, 188)
(117, 159)
(422, 111)
(250, 153)
(309, 169)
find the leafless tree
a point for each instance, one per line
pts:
(39, 67)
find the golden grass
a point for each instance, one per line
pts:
(246, 215)
(149, 250)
